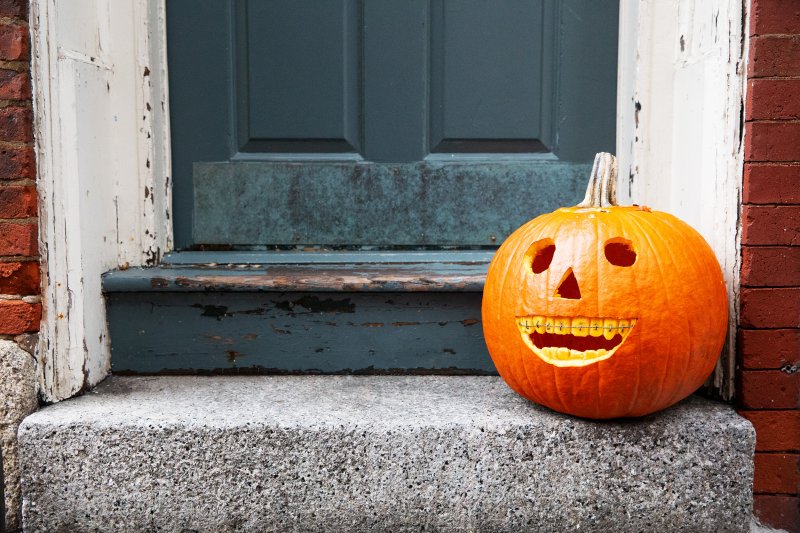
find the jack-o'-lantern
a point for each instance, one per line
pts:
(605, 311)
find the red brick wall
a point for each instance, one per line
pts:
(769, 328)
(20, 307)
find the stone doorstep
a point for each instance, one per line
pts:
(374, 453)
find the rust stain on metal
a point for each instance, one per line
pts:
(401, 324)
(372, 324)
(250, 336)
(470, 322)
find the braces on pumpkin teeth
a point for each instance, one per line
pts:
(579, 326)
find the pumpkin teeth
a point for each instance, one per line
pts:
(610, 334)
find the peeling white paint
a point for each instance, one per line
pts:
(96, 158)
(679, 140)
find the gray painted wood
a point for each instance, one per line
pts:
(312, 257)
(487, 75)
(397, 69)
(315, 277)
(297, 333)
(395, 79)
(300, 71)
(432, 203)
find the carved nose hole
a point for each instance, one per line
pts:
(568, 288)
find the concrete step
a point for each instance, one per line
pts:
(326, 453)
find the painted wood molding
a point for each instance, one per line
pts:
(102, 145)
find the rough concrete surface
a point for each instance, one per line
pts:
(374, 454)
(17, 400)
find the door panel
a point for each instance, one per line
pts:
(487, 76)
(384, 122)
(298, 66)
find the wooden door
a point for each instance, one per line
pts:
(383, 123)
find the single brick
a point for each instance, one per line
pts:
(20, 278)
(769, 389)
(17, 163)
(14, 9)
(774, 16)
(14, 85)
(774, 56)
(770, 266)
(769, 348)
(18, 239)
(16, 124)
(773, 99)
(778, 511)
(776, 431)
(772, 141)
(17, 202)
(18, 317)
(771, 225)
(769, 183)
(770, 307)
(15, 42)
(776, 473)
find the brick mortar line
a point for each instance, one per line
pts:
(772, 370)
(18, 66)
(748, 410)
(19, 258)
(773, 121)
(17, 183)
(758, 77)
(15, 144)
(791, 162)
(770, 286)
(33, 298)
(772, 204)
(776, 35)
(768, 121)
(778, 452)
(759, 329)
(13, 21)
(24, 221)
(25, 103)
(776, 246)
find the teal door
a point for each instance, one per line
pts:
(383, 123)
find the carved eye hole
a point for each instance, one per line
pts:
(620, 252)
(540, 254)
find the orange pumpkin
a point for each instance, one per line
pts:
(604, 311)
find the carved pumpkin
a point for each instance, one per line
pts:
(603, 311)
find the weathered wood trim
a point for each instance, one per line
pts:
(375, 277)
(102, 156)
(680, 111)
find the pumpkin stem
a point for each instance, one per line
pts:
(602, 189)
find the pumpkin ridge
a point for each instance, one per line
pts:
(637, 388)
(639, 221)
(707, 269)
(598, 249)
(691, 257)
(519, 253)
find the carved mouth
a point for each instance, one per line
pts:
(579, 341)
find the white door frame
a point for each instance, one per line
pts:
(102, 132)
